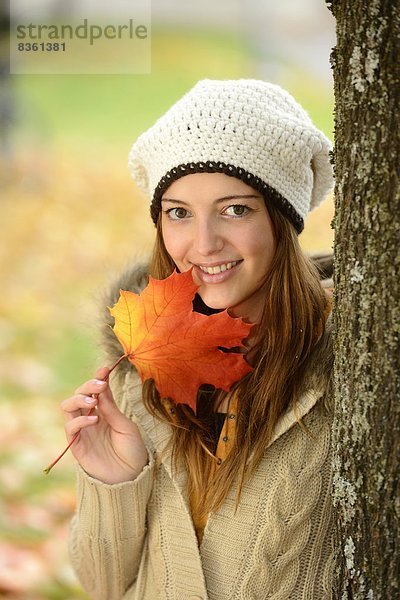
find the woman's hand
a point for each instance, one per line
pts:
(109, 446)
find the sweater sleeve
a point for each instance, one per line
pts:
(108, 532)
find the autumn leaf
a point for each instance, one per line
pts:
(173, 345)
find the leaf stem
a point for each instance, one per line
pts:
(51, 465)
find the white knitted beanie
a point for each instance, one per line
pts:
(248, 129)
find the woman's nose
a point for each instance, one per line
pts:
(208, 239)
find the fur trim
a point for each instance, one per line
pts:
(319, 367)
(133, 279)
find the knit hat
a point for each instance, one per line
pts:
(252, 130)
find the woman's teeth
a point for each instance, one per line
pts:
(219, 268)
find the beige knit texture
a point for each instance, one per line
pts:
(137, 541)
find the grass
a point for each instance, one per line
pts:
(116, 108)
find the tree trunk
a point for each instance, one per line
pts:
(366, 428)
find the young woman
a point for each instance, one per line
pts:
(233, 502)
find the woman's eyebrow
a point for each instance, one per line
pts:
(223, 199)
(172, 200)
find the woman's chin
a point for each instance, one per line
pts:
(212, 300)
(212, 303)
(246, 308)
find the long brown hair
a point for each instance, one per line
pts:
(292, 319)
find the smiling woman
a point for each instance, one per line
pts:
(232, 500)
(223, 230)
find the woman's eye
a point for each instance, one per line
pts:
(236, 210)
(177, 213)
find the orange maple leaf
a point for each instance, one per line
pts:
(173, 345)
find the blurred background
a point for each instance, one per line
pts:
(71, 218)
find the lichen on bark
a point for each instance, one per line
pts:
(366, 430)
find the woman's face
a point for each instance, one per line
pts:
(220, 226)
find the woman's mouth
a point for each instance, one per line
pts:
(216, 273)
(219, 268)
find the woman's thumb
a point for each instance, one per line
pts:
(102, 373)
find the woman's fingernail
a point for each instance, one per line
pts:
(92, 417)
(98, 382)
(90, 400)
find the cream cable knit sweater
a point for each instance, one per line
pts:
(136, 540)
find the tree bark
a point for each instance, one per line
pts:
(366, 430)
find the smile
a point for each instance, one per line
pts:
(218, 268)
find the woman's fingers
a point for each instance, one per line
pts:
(102, 372)
(93, 386)
(106, 406)
(79, 423)
(72, 407)
(83, 401)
